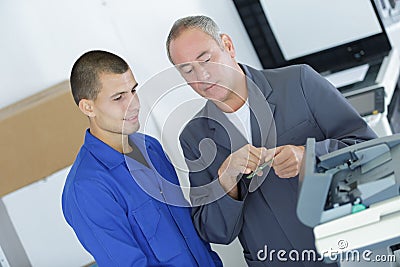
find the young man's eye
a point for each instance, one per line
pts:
(117, 98)
(133, 91)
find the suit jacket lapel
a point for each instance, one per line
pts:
(262, 111)
(231, 139)
(285, 196)
(261, 116)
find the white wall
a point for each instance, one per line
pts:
(41, 39)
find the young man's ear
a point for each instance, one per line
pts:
(86, 106)
(228, 44)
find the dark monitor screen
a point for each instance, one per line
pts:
(328, 35)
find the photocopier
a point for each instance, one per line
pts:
(352, 195)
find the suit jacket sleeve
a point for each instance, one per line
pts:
(217, 217)
(336, 118)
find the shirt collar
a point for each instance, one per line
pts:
(144, 147)
(246, 71)
(110, 157)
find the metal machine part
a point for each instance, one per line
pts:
(348, 180)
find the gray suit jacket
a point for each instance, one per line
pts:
(291, 104)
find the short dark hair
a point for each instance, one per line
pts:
(85, 73)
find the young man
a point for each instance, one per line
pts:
(295, 101)
(113, 196)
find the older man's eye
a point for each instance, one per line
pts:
(187, 69)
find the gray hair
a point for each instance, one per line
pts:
(203, 23)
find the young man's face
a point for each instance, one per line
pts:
(207, 67)
(116, 108)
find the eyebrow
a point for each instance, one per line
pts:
(202, 54)
(187, 64)
(124, 92)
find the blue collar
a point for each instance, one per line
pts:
(107, 155)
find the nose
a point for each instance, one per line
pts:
(133, 102)
(202, 74)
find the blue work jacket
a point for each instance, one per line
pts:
(117, 208)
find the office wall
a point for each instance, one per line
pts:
(40, 39)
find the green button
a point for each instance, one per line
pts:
(358, 208)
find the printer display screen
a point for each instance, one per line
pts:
(340, 22)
